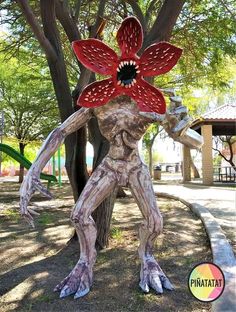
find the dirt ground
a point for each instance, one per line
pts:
(33, 261)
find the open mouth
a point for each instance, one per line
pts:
(126, 73)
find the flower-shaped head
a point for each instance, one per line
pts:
(128, 70)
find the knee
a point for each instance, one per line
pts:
(78, 216)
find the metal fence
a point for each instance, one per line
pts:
(224, 174)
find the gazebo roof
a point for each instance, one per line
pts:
(222, 119)
(224, 112)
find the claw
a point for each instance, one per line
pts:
(80, 293)
(66, 291)
(42, 189)
(33, 212)
(62, 284)
(166, 283)
(155, 283)
(144, 287)
(184, 123)
(153, 116)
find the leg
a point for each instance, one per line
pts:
(99, 186)
(151, 274)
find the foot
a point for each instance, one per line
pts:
(78, 282)
(151, 275)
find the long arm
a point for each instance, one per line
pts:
(176, 122)
(54, 140)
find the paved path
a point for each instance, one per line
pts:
(220, 201)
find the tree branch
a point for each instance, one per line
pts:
(228, 10)
(138, 12)
(35, 27)
(67, 22)
(165, 21)
(100, 14)
(149, 10)
(77, 11)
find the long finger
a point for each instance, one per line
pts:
(24, 200)
(153, 116)
(42, 189)
(33, 212)
(179, 110)
(29, 219)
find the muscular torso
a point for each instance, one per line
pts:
(121, 124)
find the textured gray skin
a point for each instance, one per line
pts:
(123, 125)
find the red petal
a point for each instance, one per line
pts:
(95, 55)
(97, 93)
(148, 97)
(159, 58)
(130, 36)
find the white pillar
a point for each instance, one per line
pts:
(207, 159)
(186, 164)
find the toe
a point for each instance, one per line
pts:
(66, 291)
(61, 284)
(166, 283)
(144, 287)
(155, 283)
(81, 292)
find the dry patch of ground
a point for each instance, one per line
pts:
(33, 261)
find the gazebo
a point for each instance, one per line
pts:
(219, 121)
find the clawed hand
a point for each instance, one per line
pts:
(30, 184)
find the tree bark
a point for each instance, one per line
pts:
(22, 152)
(150, 165)
(75, 162)
(196, 174)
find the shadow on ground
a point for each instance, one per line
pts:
(34, 261)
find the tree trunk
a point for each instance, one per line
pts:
(150, 165)
(102, 215)
(196, 174)
(22, 152)
(75, 162)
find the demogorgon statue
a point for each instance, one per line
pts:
(124, 106)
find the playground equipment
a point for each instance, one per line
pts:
(24, 161)
(1, 135)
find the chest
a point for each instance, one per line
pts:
(116, 117)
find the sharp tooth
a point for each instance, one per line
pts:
(131, 62)
(134, 80)
(121, 64)
(132, 83)
(126, 86)
(119, 82)
(136, 67)
(134, 63)
(118, 69)
(122, 84)
(126, 63)
(138, 71)
(129, 85)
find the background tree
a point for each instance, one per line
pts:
(27, 99)
(148, 141)
(225, 146)
(196, 30)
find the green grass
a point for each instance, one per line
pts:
(12, 214)
(44, 298)
(46, 218)
(116, 233)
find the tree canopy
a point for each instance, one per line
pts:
(204, 29)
